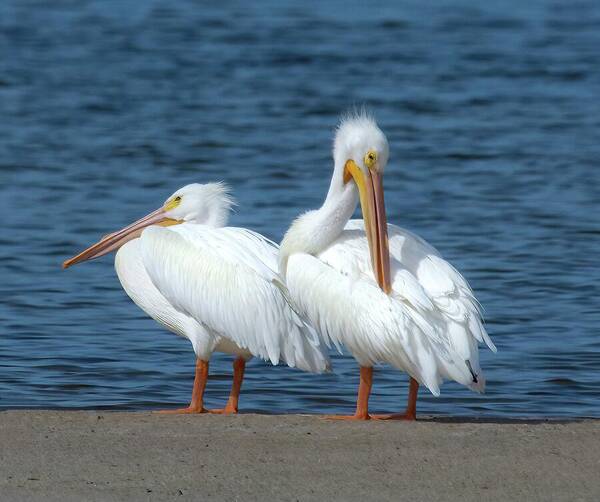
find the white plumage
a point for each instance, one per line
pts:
(428, 327)
(386, 296)
(226, 279)
(217, 286)
(139, 287)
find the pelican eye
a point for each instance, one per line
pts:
(173, 203)
(370, 158)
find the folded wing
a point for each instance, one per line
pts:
(436, 300)
(226, 279)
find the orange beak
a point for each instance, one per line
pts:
(370, 189)
(115, 240)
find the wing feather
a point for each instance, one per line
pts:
(434, 301)
(224, 278)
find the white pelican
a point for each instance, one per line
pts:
(412, 310)
(217, 286)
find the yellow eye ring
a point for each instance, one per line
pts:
(172, 204)
(370, 158)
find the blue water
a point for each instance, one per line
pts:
(493, 116)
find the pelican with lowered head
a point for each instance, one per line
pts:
(379, 290)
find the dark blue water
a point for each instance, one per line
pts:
(493, 116)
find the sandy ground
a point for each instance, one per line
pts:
(80, 456)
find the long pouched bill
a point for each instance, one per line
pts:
(370, 190)
(116, 239)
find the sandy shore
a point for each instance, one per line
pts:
(78, 456)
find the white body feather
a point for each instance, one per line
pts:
(137, 284)
(428, 326)
(217, 286)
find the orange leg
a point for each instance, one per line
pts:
(239, 365)
(362, 401)
(197, 402)
(411, 406)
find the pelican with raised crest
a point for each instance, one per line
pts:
(380, 291)
(217, 286)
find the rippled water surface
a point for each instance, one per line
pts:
(493, 116)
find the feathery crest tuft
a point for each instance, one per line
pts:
(221, 191)
(354, 118)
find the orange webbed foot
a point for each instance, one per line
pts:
(183, 411)
(409, 417)
(224, 411)
(347, 417)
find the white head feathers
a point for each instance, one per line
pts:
(207, 204)
(357, 134)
